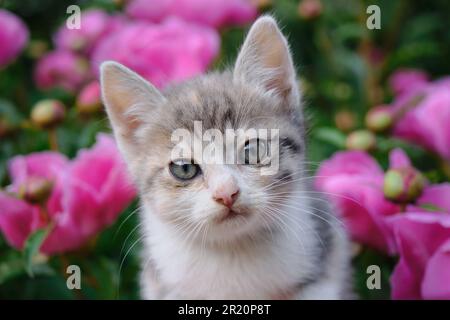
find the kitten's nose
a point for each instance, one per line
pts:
(226, 192)
(226, 199)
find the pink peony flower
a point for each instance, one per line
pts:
(88, 194)
(427, 122)
(61, 69)
(89, 98)
(407, 80)
(13, 37)
(354, 182)
(310, 9)
(214, 13)
(434, 197)
(163, 53)
(95, 24)
(423, 241)
(18, 219)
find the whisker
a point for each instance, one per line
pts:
(125, 220)
(128, 236)
(124, 258)
(294, 219)
(289, 227)
(303, 192)
(318, 216)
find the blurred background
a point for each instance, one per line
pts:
(51, 120)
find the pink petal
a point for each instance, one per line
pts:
(171, 51)
(76, 223)
(349, 163)
(427, 123)
(96, 24)
(418, 235)
(407, 80)
(18, 219)
(47, 165)
(61, 68)
(437, 195)
(434, 113)
(436, 282)
(363, 208)
(13, 37)
(398, 159)
(89, 196)
(213, 13)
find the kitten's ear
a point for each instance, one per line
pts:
(128, 99)
(265, 60)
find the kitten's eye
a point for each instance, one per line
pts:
(184, 169)
(255, 151)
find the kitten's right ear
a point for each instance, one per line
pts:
(128, 98)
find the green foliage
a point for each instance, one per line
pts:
(31, 248)
(365, 259)
(333, 58)
(109, 266)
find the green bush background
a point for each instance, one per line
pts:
(332, 55)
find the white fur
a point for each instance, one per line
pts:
(255, 269)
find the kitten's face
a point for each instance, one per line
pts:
(199, 195)
(231, 199)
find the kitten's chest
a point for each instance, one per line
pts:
(199, 273)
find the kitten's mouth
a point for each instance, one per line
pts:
(229, 214)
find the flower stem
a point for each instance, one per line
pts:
(53, 139)
(445, 165)
(44, 214)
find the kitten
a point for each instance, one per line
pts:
(220, 231)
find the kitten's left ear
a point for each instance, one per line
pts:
(265, 61)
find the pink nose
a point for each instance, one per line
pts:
(226, 192)
(226, 199)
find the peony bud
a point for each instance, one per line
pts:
(355, 248)
(310, 9)
(89, 99)
(376, 56)
(37, 48)
(403, 184)
(445, 165)
(345, 120)
(379, 119)
(261, 4)
(6, 127)
(361, 140)
(36, 190)
(48, 113)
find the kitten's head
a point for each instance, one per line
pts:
(228, 200)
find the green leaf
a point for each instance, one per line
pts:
(431, 207)
(9, 112)
(11, 266)
(31, 248)
(366, 258)
(331, 135)
(349, 31)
